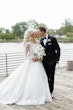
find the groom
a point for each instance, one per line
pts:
(52, 51)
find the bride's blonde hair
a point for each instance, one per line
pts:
(27, 35)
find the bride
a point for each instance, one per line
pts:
(28, 84)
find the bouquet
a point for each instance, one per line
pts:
(39, 52)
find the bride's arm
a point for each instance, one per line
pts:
(26, 50)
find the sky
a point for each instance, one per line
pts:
(50, 12)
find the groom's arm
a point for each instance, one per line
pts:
(57, 49)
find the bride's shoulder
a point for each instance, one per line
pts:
(27, 44)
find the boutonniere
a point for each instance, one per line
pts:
(49, 39)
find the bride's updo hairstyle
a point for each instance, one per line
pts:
(28, 34)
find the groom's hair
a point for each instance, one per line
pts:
(42, 29)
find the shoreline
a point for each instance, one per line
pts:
(60, 41)
(65, 41)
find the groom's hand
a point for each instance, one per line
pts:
(35, 59)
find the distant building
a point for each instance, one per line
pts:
(57, 36)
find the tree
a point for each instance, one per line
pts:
(19, 28)
(7, 36)
(32, 24)
(68, 22)
(43, 25)
(2, 30)
(7, 31)
(51, 32)
(60, 31)
(67, 26)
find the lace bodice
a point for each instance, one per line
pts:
(29, 49)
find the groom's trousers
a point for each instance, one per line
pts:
(50, 71)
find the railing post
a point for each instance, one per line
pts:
(6, 66)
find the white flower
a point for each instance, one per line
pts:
(49, 39)
(39, 52)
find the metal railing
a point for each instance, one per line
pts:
(66, 55)
(10, 61)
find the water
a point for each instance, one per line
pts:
(19, 47)
(11, 47)
(66, 51)
(66, 45)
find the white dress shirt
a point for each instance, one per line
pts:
(45, 40)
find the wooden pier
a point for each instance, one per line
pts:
(63, 94)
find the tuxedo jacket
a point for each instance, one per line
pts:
(52, 51)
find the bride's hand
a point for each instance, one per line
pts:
(35, 59)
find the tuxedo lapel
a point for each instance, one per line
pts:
(48, 40)
(41, 42)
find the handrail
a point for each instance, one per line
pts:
(10, 61)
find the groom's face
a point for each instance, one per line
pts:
(40, 33)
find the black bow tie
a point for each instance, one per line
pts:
(43, 38)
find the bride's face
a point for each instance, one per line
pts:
(34, 35)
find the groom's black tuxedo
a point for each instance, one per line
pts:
(52, 51)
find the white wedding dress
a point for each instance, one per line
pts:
(28, 84)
